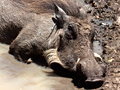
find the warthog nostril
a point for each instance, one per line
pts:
(93, 83)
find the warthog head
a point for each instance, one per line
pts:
(71, 47)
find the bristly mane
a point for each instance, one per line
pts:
(46, 6)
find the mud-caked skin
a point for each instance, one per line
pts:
(50, 28)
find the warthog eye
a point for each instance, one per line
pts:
(71, 32)
(70, 28)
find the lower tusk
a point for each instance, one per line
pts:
(78, 60)
(98, 57)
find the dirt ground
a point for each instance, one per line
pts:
(106, 22)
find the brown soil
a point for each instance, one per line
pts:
(105, 21)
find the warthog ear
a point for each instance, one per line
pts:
(60, 13)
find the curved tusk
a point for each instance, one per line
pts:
(52, 57)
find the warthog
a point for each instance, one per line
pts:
(53, 29)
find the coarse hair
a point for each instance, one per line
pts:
(47, 6)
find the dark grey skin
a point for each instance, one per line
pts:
(51, 29)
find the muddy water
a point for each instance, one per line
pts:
(97, 48)
(15, 75)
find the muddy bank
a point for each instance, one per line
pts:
(106, 23)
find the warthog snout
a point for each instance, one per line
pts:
(91, 70)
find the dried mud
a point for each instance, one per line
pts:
(106, 23)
